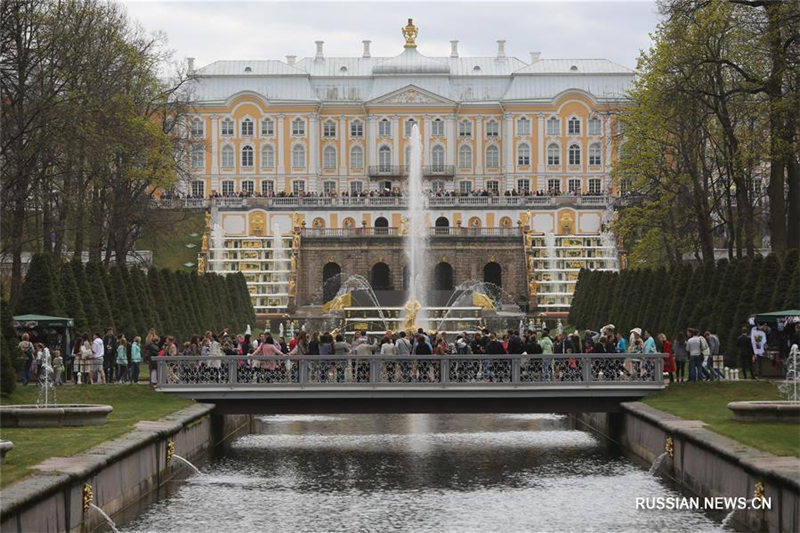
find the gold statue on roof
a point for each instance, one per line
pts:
(410, 33)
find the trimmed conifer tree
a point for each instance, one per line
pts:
(96, 276)
(144, 298)
(781, 293)
(38, 295)
(121, 307)
(160, 301)
(73, 306)
(86, 297)
(11, 359)
(674, 322)
(768, 274)
(139, 324)
(791, 299)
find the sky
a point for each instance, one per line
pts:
(214, 30)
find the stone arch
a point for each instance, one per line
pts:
(442, 226)
(505, 222)
(318, 223)
(331, 281)
(381, 226)
(349, 222)
(380, 277)
(493, 273)
(443, 277)
(474, 222)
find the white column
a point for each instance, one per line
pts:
(426, 139)
(396, 140)
(508, 149)
(371, 134)
(313, 156)
(479, 145)
(279, 146)
(343, 135)
(452, 139)
(607, 136)
(214, 151)
(540, 142)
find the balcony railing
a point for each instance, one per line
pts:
(395, 232)
(387, 171)
(439, 171)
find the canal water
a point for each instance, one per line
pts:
(417, 473)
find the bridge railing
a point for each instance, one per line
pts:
(396, 371)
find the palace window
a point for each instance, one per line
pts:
(198, 157)
(465, 128)
(553, 154)
(356, 128)
(437, 158)
(523, 185)
(554, 186)
(298, 187)
(595, 126)
(247, 156)
(298, 127)
(248, 186)
(408, 125)
(384, 159)
(492, 128)
(493, 187)
(574, 155)
(523, 126)
(574, 185)
(227, 127)
(523, 155)
(328, 187)
(196, 128)
(227, 156)
(574, 126)
(356, 187)
(437, 128)
(267, 156)
(267, 187)
(227, 188)
(267, 127)
(594, 154)
(298, 156)
(329, 158)
(437, 186)
(492, 157)
(553, 126)
(329, 129)
(594, 185)
(384, 128)
(356, 158)
(465, 157)
(198, 189)
(247, 128)
(464, 187)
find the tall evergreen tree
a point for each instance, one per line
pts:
(96, 277)
(73, 306)
(789, 275)
(160, 301)
(121, 307)
(86, 296)
(139, 324)
(39, 288)
(768, 274)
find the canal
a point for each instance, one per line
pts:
(417, 473)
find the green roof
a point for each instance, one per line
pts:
(44, 320)
(772, 316)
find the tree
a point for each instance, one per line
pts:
(39, 289)
(96, 278)
(11, 358)
(789, 274)
(86, 297)
(72, 299)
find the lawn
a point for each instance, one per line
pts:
(167, 233)
(131, 404)
(708, 402)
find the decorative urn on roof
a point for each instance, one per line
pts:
(410, 33)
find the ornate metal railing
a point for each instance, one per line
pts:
(380, 171)
(618, 370)
(442, 171)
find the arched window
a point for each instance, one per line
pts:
(227, 127)
(198, 157)
(381, 226)
(442, 226)
(384, 128)
(267, 127)
(298, 156)
(443, 277)
(595, 157)
(356, 158)
(380, 277)
(247, 128)
(523, 155)
(437, 128)
(595, 126)
(356, 128)
(247, 156)
(553, 126)
(196, 128)
(298, 127)
(409, 125)
(329, 129)
(523, 126)
(574, 126)
(492, 129)
(331, 281)
(465, 128)
(574, 157)
(437, 158)
(465, 157)
(329, 158)
(492, 157)
(267, 156)
(553, 154)
(493, 273)
(384, 159)
(248, 186)
(227, 156)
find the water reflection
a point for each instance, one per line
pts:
(417, 473)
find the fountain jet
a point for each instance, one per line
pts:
(416, 237)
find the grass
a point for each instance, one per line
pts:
(167, 233)
(131, 404)
(708, 402)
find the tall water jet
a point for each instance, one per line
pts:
(279, 267)
(416, 237)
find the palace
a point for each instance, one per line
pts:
(308, 161)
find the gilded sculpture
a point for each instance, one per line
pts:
(410, 33)
(412, 309)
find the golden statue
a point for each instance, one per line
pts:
(524, 218)
(567, 222)
(204, 246)
(530, 263)
(410, 33)
(201, 265)
(293, 263)
(291, 288)
(208, 221)
(412, 309)
(404, 226)
(296, 242)
(529, 239)
(481, 300)
(532, 288)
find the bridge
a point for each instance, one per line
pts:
(556, 383)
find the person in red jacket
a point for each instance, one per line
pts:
(669, 359)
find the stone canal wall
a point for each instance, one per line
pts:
(123, 473)
(706, 464)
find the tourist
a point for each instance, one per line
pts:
(301, 344)
(681, 355)
(713, 347)
(151, 351)
(494, 346)
(313, 344)
(665, 347)
(76, 359)
(109, 356)
(365, 347)
(515, 344)
(388, 347)
(27, 355)
(87, 361)
(649, 346)
(402, 345)
(759, 341)
(440, 345)
(282, 343)
(547, 349)
(136, 358)
(746, 356)
(98, 359)
(422, 346)
(340, 346)
(622, 343)
(326, 344)
(705, 353)
(58, 362)
(122, 359)
(695, 350)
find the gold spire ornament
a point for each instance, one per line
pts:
(410, 33)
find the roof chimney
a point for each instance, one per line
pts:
(366, 49)
(453, 48)
(319, 56)
(501, 49)
(190, 64)
(290, 60)
(535, 57)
